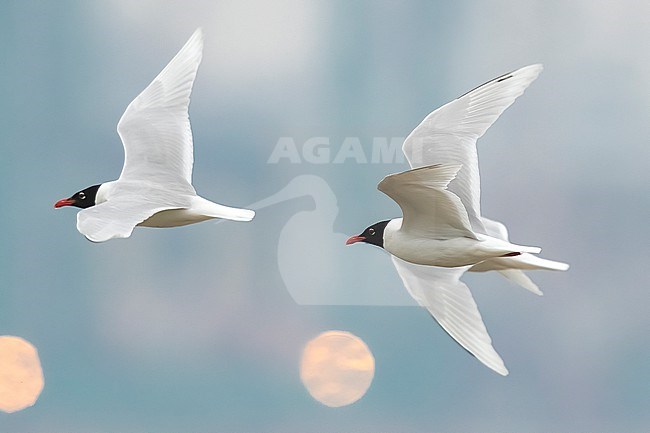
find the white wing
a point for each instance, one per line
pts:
(450, 302)
(131, 204)
(449, 134)
(155, 128)
(429, 209)
(495, 228)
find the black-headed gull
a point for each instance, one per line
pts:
(435, 228)
(155, 186)
(440, 199)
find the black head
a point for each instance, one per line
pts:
(372, 235)
(83, 199)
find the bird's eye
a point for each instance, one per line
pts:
(371, 231)
(82, 195)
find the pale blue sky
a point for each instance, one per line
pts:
(194, 329)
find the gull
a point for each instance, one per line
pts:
(155, 186)
(441, 233)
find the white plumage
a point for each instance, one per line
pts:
(155, 186)
(442, 234)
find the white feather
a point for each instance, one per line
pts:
(155, 186)
(448, 135)
(429, 209)
(450, 302)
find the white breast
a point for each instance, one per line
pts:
(448, 253)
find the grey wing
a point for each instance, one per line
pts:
(155, 128)
(451, 304)
(429, 209)
(449, 134)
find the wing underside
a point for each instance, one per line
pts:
(448, 135)
(451, 304)
(130, 204)
(155, 128)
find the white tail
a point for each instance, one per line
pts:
(215, 210)
(532, 250)
(531, 262)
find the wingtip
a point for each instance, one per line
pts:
(495, 364)
(532, 71)
(534, 66)
(198, 33)
(518, 277)
(531, 287)
(194, 42)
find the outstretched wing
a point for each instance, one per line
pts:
(155, 128)
(429, 209)
(131, 204)
(451, 304)
(449, 134)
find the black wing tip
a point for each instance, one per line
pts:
(500, 78)
(503, 78)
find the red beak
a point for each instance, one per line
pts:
(354, 239)
(64, 202)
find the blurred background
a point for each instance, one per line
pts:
(202, 328)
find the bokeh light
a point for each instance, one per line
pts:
(21, 376)
(337, 368)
